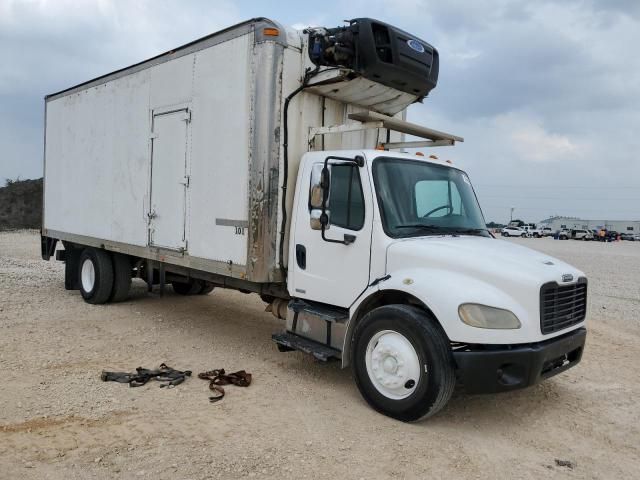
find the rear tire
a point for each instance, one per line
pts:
(192, 287)
(71, 268)
(207, 288)
(95, 275)
(402, 362)
(121, 277)
(524, 235)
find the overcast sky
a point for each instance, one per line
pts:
(546, 94)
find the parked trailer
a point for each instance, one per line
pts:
(264, 159)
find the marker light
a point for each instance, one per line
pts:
(271, 32)
(420, 154)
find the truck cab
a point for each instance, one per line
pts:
(393, 269)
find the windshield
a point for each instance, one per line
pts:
(419, 198)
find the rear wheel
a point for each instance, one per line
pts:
(524, 235)
(402, 362)
(207, 288)
(95, 275)
(191, 287)
(121, 277)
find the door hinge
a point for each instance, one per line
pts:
(153, 136)
(186, 181)
(187, 116)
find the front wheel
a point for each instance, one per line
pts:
(402, 362)
(505, 234)
(524, 235)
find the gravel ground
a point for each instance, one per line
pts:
(299, 418)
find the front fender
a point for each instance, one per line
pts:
(442, 291)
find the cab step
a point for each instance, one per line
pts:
(289, 341)
(323, 312)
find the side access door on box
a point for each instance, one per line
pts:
(169, 179)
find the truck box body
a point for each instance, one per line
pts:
(180, 158)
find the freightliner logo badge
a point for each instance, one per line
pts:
(567, 277)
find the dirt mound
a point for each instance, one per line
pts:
(21, 204)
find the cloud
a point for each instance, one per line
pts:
(530, 141)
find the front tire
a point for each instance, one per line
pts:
(505, 234)
(402, 362)
(95, 275)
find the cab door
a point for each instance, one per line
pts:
(333, 270)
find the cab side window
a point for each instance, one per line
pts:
(346, 200)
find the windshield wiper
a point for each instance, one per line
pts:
(423, 226)
(469, 230)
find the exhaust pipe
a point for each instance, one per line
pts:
(278, 308)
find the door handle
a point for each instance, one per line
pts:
(301, 256)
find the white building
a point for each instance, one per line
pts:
(622, 226)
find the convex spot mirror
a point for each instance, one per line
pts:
(317, 219)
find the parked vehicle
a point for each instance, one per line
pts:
(563, 234)
(632, 237)
(533, 230)
(226, 163)
(515, 232)
(546, 232)
(578, 234)
(612, 235)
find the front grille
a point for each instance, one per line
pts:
(562, 306)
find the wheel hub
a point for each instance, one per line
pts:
(392, 364)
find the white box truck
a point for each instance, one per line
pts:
(266, 160)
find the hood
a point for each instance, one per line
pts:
(490, 259)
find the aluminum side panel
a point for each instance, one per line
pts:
(217, 200)
(97, 161)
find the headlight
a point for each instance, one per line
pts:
(482, 316)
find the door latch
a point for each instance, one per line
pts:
(151, 215)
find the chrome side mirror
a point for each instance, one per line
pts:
(317, 188)
(317, 219)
